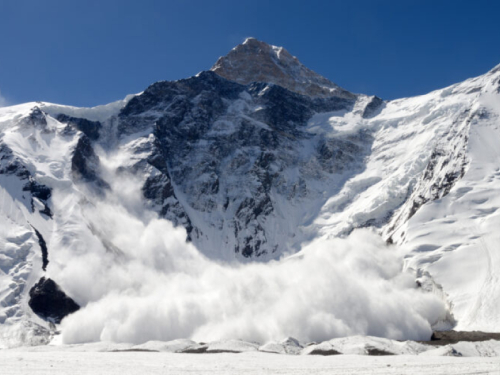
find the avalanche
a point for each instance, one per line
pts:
(271, 174)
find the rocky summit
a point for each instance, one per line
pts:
(256, 61)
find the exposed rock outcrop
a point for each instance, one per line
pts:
(49, 302)
(256, 61)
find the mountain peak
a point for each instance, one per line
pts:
(257, 61)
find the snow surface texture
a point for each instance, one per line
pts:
(108, 358)
(354, 345)
(228, 364)
(454, 239)
(422, 172)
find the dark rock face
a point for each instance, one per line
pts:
(443, 170)
(376, 351)
(49, 302)
(373, 107)
(256, 61)
(222, 152)
(11, 165)
(159, 190)
(452, 337)
(42, 192)
(286, 111)
(90, 128)
(37, 190)
(198, 349)
(36, 118)
(43, 247)
(161, 95)
(335, 155)
(222, 159)
(85, 163)
(324, 352)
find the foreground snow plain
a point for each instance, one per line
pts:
(56, 362)
(239, 357)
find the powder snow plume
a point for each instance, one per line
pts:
(141, 281)
(3, 101)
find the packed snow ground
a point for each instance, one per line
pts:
(248, 363)
(238, 357)
(69, 362)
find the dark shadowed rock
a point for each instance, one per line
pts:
(43, 247)
(257, 61)
(12, 165)
(373, 107)
(376, 351)
(325, 352)
(85, 163)
(49, 302)
(443, 170)
(90, 128)
(452, 337)
(208, 132)
(41, 192)
(197, 349)
(36, 118)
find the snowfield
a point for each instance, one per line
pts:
(122, 359)
(229, 364)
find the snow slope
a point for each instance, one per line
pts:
(455, 238)
(431, 184)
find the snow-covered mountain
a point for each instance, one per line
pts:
(255, 158)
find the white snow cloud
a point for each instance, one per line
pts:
(161, 288)
(3, 101)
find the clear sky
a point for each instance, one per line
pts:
(91, 52)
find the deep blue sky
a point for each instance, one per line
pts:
(92, 52)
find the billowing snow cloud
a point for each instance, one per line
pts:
(3, 101)
(147, 283)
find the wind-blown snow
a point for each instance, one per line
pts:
(98, 113)
(3, 101)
